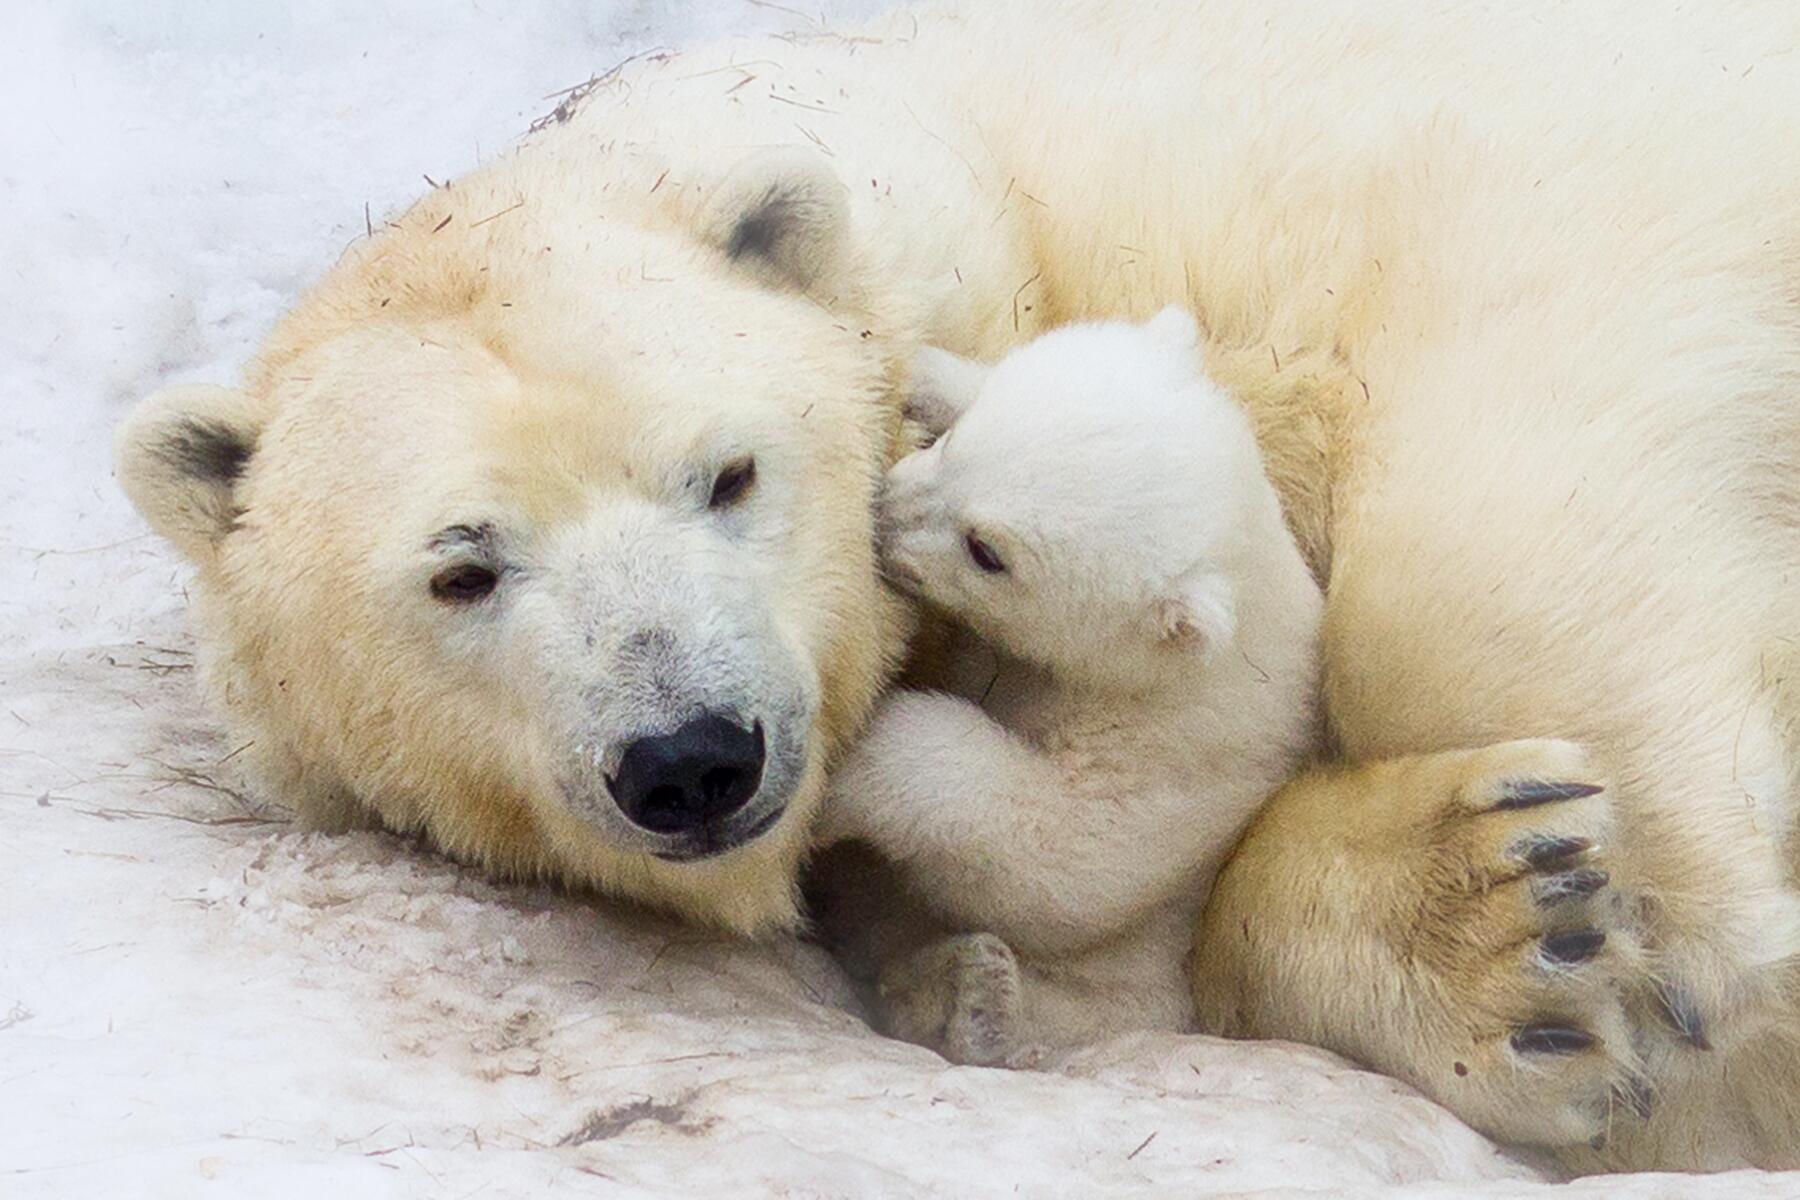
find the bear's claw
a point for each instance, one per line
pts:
(1575, 946)
(1682, 1014)
(1529, 793)
(1540, 853)
(1542, 953)
(1579, 884)
(1551, 1039)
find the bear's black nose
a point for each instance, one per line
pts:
(684, 781)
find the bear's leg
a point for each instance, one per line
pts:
(970, 997)
(1446, 919)
(1561, 537)
(996, 835)
(960, 995)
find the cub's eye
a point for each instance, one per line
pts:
(464, 583)
(983, 555)
(733, 483)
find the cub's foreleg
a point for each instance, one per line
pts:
(992, 833)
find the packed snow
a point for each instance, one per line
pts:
(196, 998)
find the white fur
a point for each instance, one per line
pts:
(1157, 636)
(1507, 291)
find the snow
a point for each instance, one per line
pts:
(194, 997)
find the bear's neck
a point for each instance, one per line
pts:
(1094, 183)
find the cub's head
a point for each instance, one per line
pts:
(1082, 509)
(546, 530)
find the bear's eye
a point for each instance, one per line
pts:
(733, 483)
(464, 583)
(982, 554)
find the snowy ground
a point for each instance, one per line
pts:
(195, 999)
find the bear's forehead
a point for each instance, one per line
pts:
(460, 413)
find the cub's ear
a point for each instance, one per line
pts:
(784, 216)
(179, 456)
(1199, 613)
(1175, 326)
(943, 387)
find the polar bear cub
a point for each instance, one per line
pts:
(1143, 674)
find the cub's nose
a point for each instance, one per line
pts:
(683, 781)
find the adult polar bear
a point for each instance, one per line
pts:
(542, 525)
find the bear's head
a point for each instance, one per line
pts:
(543, 527)
(1088, 505)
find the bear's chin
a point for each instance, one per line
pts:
(711, 843)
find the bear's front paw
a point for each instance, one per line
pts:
(1520, 952)
(960, 996)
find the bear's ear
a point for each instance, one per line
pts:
(943, 387)
(1176, 327)
(782, 215)
(1198, 614)
(179, 457)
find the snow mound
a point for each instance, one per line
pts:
(192, 993)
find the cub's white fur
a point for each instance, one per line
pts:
(1151, 677)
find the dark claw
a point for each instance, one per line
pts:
(1638, 1094)
(1571, 885)
(1575, 946)
(1541, 853)
(1529, 793)
(1683, 1015)
(1551, 1039)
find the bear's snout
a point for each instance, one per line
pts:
(692, 780)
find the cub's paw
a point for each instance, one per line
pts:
(943, 387)
(960, 996)
(1518, 949)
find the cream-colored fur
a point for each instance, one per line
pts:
(1509, 291)
(1154, 635)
